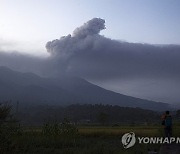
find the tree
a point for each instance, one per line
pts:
(103, 118)
(4, 113)
(8, 126)
(178, 114)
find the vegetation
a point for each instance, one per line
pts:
(68, 137)
(64, 129)
(8, 128)
(88, 140)
(89, 114)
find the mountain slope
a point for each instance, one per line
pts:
(30, 88)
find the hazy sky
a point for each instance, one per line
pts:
(26, 25)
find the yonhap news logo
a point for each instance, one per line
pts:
(129, 140)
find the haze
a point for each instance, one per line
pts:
(114, 44)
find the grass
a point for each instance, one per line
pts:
(88, 140)
(119, 131)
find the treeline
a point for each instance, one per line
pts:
(86, 114)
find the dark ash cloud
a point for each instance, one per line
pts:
(102, 60)
(92, 27)
(90, 55)
(141, 70)
(23, 62)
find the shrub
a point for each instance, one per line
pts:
(65, 128)
(8, 127)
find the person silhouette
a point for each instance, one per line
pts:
(167, 122)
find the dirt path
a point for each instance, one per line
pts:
(170, 149)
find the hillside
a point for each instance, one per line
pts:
(29, 88)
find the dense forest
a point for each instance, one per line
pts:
(89, 114)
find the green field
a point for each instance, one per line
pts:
(84, 140)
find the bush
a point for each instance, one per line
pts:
(65, 128)
(8, 127)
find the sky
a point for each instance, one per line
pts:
(128, 46)
(26, 26)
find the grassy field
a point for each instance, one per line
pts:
(118, 131)
(84, 140)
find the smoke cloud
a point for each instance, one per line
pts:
(23, 62)
(88, 54)
(141, 70)
(92, 27)
(109, 62)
